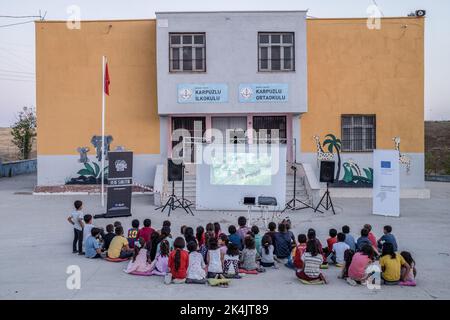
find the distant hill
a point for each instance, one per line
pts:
(8, 151)
(437, 147)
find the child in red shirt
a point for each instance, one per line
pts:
(299, 251)
(146, 231)
(331, 240)
(178, 261)
(371, 236)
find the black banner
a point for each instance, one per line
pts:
(119, 184)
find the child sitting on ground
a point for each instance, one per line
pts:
(146, 231)
(200, 236)
(189, 235)
(160, 265)
(231, 262)
(132, 233)
(140, 262)
(410, 278)
(267, 257)
(359, 263)
(391, 264)
(217, 230)
(88, 226)
(223, 243)
(338, 250)
(371, 236)
(299, 251)
(349, 238)
(283, 244)
(108, 236)
(165, 235)
(234, 237)
(388, 237)
(93, 248)
(312, 260)
(215, 259)
(243, 229)
(249, 256)
(76, 219)
(196, 269)
(330, 241)
(119, 246)
(311, 235)
(257, 237)
(363, 240)
(178, 261)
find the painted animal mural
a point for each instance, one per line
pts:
(353, 175)
(90, 173)
(322, 155)
(403, 158)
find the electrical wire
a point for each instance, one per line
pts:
(15, 24)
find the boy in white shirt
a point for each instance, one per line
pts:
(339, 249)
(76, 219)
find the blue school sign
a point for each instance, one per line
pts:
(263, 92)
(202, 93)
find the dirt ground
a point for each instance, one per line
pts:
(36, 250)
(8, 151)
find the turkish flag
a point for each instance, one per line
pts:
(107, 81)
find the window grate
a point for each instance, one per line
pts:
(358, 133)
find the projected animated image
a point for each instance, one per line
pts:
(242, 169)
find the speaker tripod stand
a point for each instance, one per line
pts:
(172, 203)
(292, 204)
(185, 203)
(328, 202)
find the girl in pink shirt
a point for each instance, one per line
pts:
(360, 261)
(140, 262)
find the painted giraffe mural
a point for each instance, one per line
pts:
(403, 158)
(322, 155)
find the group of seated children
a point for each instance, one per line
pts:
(207, 255)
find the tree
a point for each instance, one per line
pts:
(334, 143)
(23, 131)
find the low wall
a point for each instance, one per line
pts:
(437, 178)
(14, 168)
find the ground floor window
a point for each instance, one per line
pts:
(358, 133)
(264, 126)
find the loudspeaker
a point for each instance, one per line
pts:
(174, 171)
(421, 13)
(327, 171)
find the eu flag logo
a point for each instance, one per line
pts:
(386, 164)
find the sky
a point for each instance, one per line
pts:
(17, 52)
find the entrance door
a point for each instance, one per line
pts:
(233, 129)
(190, 140)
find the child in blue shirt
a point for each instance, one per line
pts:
(92, 246)
(234, 237)
(387, 237)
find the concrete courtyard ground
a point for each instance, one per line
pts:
(36, 250)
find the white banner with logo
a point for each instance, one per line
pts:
(386, 183)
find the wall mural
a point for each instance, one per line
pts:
(91, 173)
(353, 176)
(403, 158)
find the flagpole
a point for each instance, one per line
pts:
(103, 130)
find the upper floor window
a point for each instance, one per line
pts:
(276, 51)
(187, 52)
(358, 132)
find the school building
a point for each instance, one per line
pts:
(236, 72)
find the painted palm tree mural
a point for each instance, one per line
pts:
(334, 144)
(353, 175)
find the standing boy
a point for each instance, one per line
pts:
(76, 219)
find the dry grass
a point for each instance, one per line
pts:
(8, 151)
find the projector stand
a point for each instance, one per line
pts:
(328, 203)
(292, 204)
(185, 203)
(171, 202)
